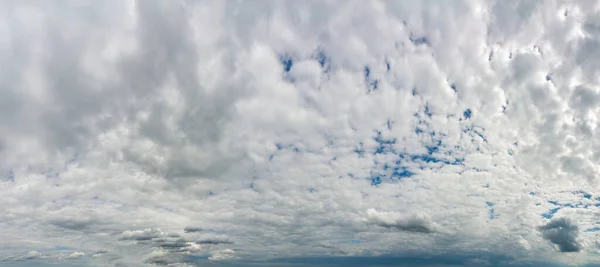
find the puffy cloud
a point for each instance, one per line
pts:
(412, 223)
(225, 254)
(140, 235)
(74, 255)
(33, 255)
(164, 258)
(247, 130)
(563, 233)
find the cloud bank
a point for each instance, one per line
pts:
(174, 133)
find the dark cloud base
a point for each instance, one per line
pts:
(563, 233)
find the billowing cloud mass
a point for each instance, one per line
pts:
(234, 133)
(563, 233)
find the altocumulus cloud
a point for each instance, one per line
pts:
(185, 133)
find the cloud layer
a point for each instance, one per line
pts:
(177, 133)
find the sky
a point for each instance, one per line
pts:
(299, 133)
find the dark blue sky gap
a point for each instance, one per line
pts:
(287, 62)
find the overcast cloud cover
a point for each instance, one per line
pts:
(299, 133)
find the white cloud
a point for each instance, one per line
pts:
(140, 235)
(294, 128)
(74, 255)
(225, 254)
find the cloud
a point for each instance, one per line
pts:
(224, 254)
(176, 244)
(33, 255)
(74, 255)
(172, 249)
(563, 233)
(164, 258)
(411, 223)
(168, 132)
(191, 229)
(140, 235)
(214, 241)
(99, 253)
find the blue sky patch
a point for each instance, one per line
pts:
(467, 113)
(550, 213)
(375, 180)
(286, 62)
(419, 40)
(372, 84)
(583, 194)
(401, 172)
(385, 145)
(323, 59)
(360, 150)
(593, 229)
(427, 111)
(492, 212)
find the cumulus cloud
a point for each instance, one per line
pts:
(33, 255)
(173, 249)
(412, 223)
(74, 255)
(563, 233)
(219, 255)
(140, 235)
(164, 258)
(165, 131)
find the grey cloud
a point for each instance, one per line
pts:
(587, 58)
(178, 244)
(584, 98)
(413, 223)
(191, 229)
(173, 235)
(214, 241)
(166, 101)
(140, 235)
(563, 233)
(410, 225)
(170, 242)
(76, 224)
(74, 114)
(100, 253)
(166, 259)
